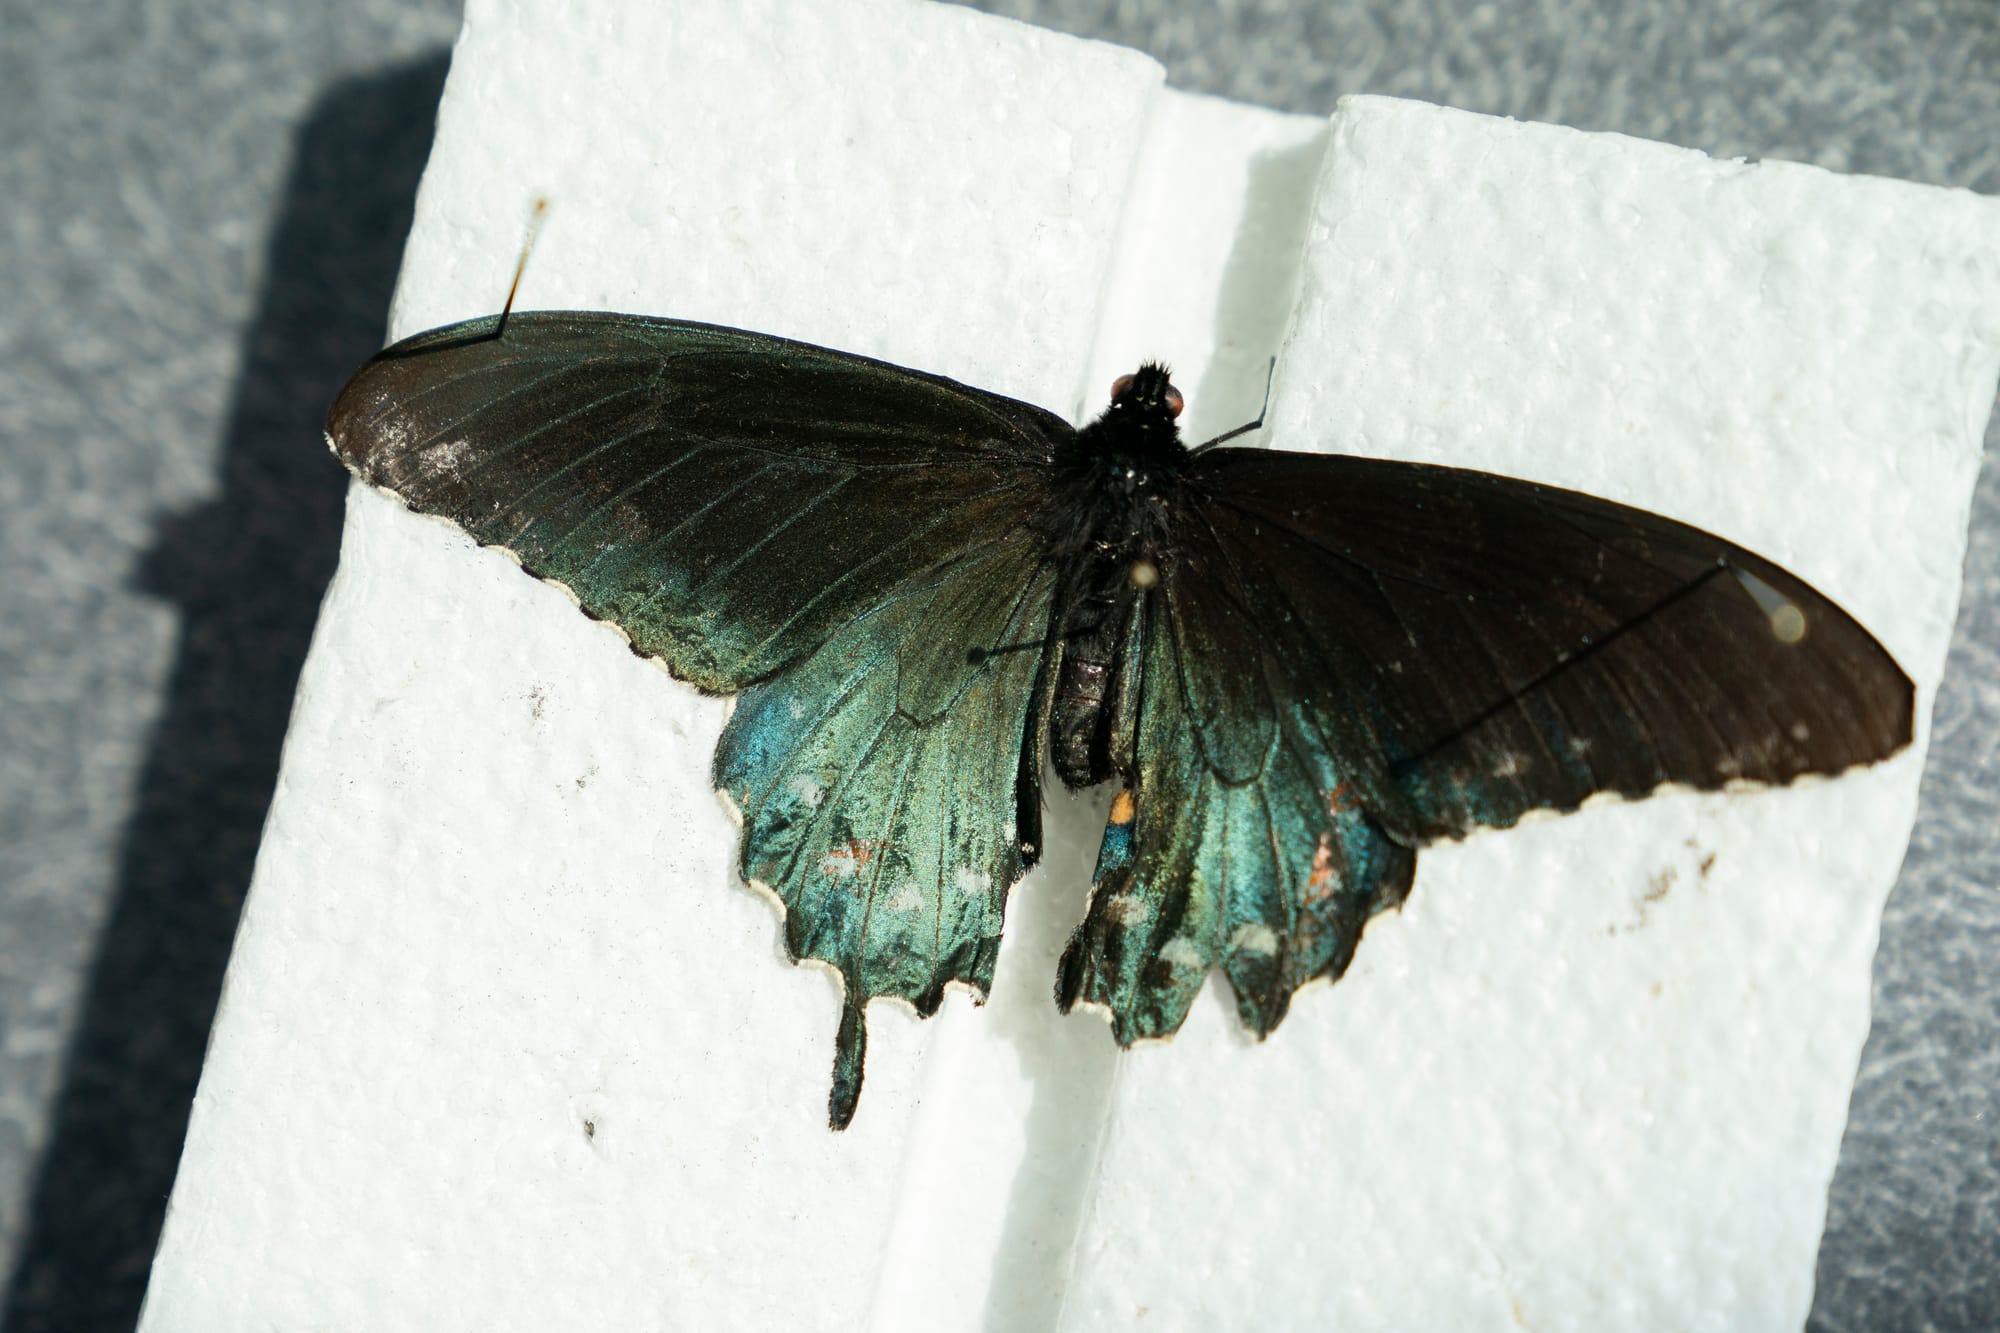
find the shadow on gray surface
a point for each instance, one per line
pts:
(246, 573)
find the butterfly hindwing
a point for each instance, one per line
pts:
(1236, 842)
(876, 782)
(727, 499)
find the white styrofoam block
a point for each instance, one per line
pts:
(1595, 1075)
(503, 1045)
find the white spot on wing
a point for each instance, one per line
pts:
(973, 883)
(1253, 938)
(1181, 952)
(1127, 910)
(1788, 622)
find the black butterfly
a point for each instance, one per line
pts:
(1300, 668)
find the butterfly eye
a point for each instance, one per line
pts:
(1174, 403)
(1119, 386)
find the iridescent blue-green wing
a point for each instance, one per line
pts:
(729, 500)
(1251, 858)
(888, 788)
(1351, 658)
(846, 542)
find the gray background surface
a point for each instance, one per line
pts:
(204, 207)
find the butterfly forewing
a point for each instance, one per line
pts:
(1477, 647)
(727, 499)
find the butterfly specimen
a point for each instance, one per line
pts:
(1299, 668)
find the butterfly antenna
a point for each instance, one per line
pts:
(521, 266)
(1270, 371)
(483, 333)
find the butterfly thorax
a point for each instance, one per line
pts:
(1115, 482)
(1112, 475)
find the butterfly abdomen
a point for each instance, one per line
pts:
(1092, 634)
(1113, 481)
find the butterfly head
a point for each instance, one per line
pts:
(1147, 393)
(1140, 423)
(1114, 473)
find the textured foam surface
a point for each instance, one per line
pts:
(503, 1045)
(1619, 1043)
(625, 1121)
